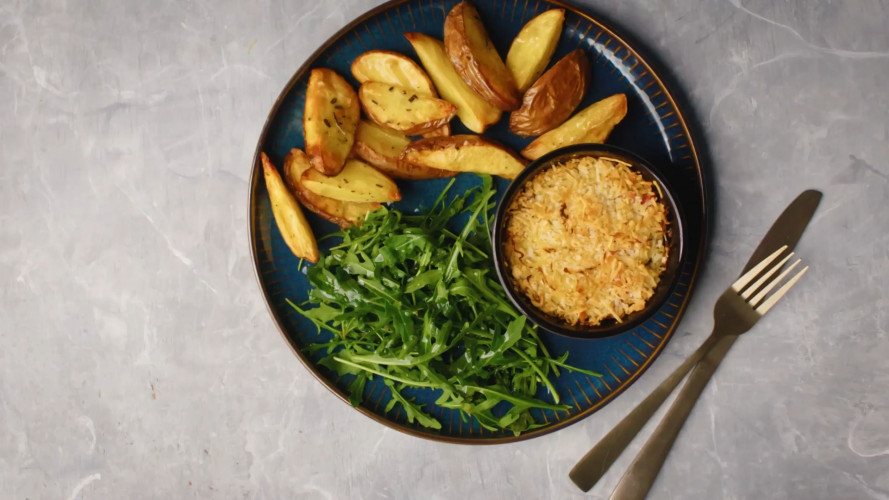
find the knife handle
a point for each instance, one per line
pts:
(589, 469)
(639, 477)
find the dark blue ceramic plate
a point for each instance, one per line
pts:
(654, 128)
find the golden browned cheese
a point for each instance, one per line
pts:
(586, 240)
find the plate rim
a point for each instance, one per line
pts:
(682, 114)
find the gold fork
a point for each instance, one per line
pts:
(736, 311)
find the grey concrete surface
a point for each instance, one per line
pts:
(137, 359)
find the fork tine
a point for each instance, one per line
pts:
(768, 274)
(749, 275)
(764, 308)
(761, 295)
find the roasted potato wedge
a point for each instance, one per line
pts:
(381, 147)
(476, 59)
(341, 213)
(553, 97)
(289, 217)
(396, 69)
(591, 124)
(330, 118)
(476, 113)
(392, 68)
(402, 109)
(533, 47)
(357, 181)
(464, 153)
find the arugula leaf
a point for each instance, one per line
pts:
(412, 410)
(422, 280)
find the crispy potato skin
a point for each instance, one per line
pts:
(475, 113)
(381, 147)
(330, 117)
(341, 213)
(291, 221)
(464, 153)
(358, 181)
(475, 58)
(533, 47)
(443, 131)
(404, 110)
(553, 97)
(591, 124)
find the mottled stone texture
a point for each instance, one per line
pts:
(137, 359)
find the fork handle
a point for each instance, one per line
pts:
(639, 477)
(589, 469)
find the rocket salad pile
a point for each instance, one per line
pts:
(412, 302)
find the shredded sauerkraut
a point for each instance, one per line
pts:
(586, 240)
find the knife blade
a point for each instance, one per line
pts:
(786, 230)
